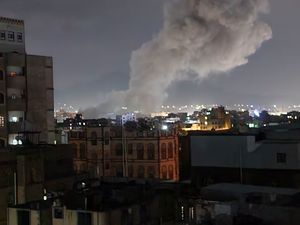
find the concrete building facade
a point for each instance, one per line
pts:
(244, 158)
(26, 89)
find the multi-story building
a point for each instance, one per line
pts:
(26, 89)
(215, 119)
(113, 151)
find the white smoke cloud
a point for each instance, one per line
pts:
(199, 37)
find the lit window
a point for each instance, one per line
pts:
(2, 35)
(10, 36)
(2, 124)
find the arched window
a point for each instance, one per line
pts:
(170, 150)
(151, 172)
(164, 172)
(140, 151)
(163, 151)
(150, 151)
(93, 138)
(119, 149)
(171, 172)
(82, 151)
(1, 98)
(141, 172)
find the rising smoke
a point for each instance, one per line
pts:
(201, 37)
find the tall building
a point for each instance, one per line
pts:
(26, 89)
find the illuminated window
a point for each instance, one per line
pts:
(2, 35)
(2, 124)
(11, 36)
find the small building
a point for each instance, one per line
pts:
(270, 158)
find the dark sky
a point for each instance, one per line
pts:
(91, 42)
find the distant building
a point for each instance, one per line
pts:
(116, 152)
(215, 119)
(26, 89)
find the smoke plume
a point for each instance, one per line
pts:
(201, 37)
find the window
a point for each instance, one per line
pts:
(164, 172)
(1, 98)
(130, 171)
(140, 151)
(84, 218)
(58, 213)
(11, 36)
(281, 157)
(2, 121)
(106, 138)
(163, 151)
(19, 37)
(130, 149)
(74, 146)
(82, 151)
(171, 172)
(1, 74)
(151, 172)
(2, 35)
(141, 172)
(119, 149)
(23, 217)
(170, 150)
(119, 171)
(93, 138)
(150, 151)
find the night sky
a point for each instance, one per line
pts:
(91, 43)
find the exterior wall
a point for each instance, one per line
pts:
(17, 27)
(40, 106)
(113, 152)
(242, 151)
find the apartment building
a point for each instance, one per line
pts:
(26, 89)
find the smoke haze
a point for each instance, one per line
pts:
(199, 38)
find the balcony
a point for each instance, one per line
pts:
(16, 82)
(16, 104)
(15, 127)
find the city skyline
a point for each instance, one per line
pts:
(98, 48)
